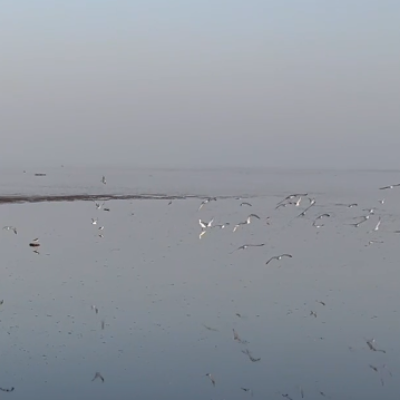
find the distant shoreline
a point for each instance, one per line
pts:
(18, 199)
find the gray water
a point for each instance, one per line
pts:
(157, 286)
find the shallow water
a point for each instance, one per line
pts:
(156, 285)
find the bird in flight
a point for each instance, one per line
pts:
(205, 201)
(247, 222)
(11, 228)
(278, 258)
(209, 328)
(370, 344)
(389, 187)
(34, 243)
(98, 375)
(237, 338)
(221, 226)
(245, 204)
(247, 390)
(248, 354)
(98, 205)
(292, 196)
(326, 215)
(211, 378)
(245, 246)
(364, 219)
(347, 205)
(377, 225)
(94, 221)
(303, 213)
(7, 390)
(103, 180)
(205, 225)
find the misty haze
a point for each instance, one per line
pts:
(199, 200)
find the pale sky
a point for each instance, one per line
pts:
(188, 83)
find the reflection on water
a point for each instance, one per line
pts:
(153, 309)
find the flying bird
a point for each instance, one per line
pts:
(205, 201)
(303, 213)
(370, 344)
(326, 215)
(34, 243)
(248, 390)
(245, 204)
(98, 205)
(211, 378)
(364, 219)
(237, 338)
(209, 328)
(389, 187)
(98, 375)
(248, 354)
(292, 196)
(278, 258)
(347, 205)
(94, 221)
(247, 222)
(205, 225)
(221, 226)
(103, 180)
(11, 228)
(245, 246)
(7, 390)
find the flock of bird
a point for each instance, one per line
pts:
(317, 221)
(296, 200)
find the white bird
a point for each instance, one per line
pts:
(221, 226)
(278, 258)
(365, 218)
(373, 242)
(247, 222)
(297, 203)
(94, 221)
(103, 180)
(389, 187)
(98, 205)
(11, 228)
(315, 224)
(204, 202)
(292, 196)
(303, 213)
(206, 225)
(377, 225)
(245, 246)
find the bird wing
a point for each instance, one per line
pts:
(272, 258)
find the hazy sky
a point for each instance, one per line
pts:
(200, 83)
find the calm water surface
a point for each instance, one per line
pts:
(156, 285)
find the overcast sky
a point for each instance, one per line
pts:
(195, 83)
